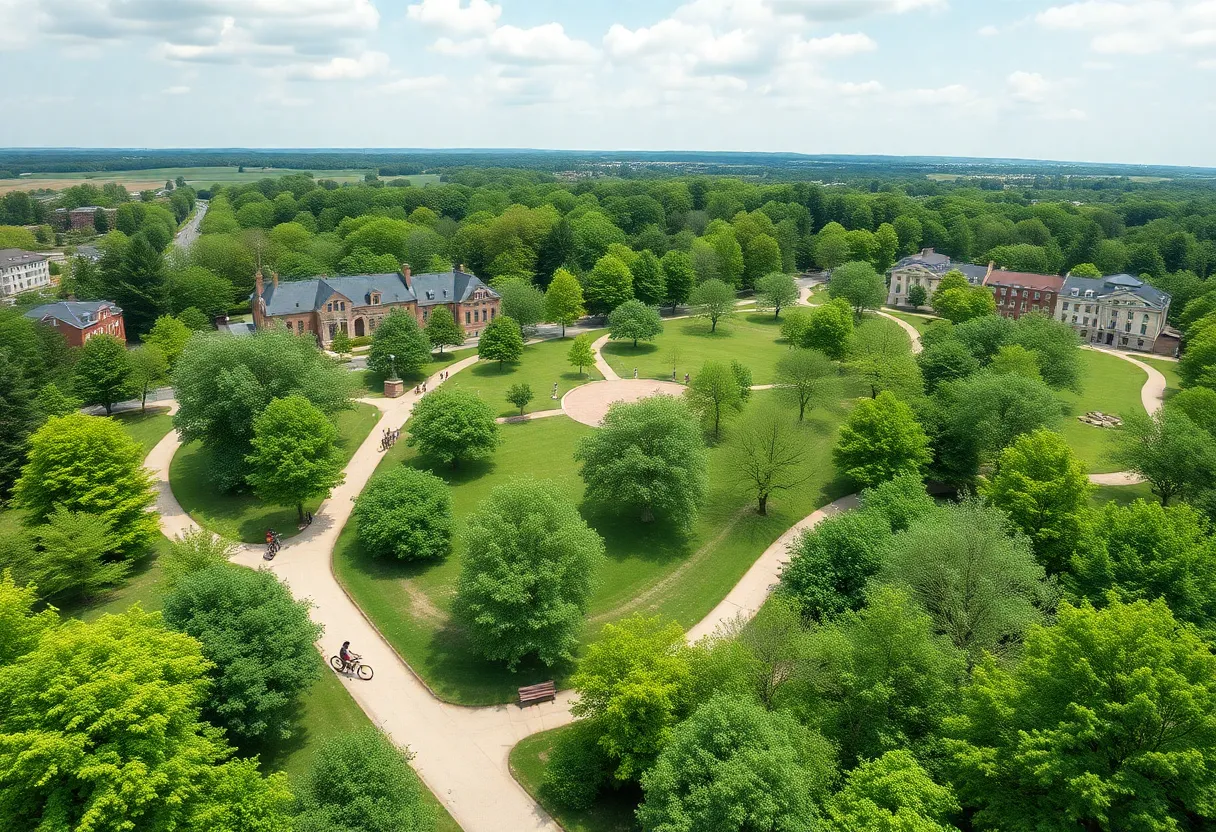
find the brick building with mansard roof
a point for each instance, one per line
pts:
(356, 304)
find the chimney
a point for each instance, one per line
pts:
(460, 268)
(926, 251)
(405, 275)
(274, 276)
(258, 285)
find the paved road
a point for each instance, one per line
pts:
(189, 232)
(461, 753)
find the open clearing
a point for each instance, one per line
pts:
(200, 177)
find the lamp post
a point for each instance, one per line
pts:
(393, 359)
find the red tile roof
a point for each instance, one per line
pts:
(1025, 280)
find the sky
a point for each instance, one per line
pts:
(1097, 80)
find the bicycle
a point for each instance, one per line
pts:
(361, 670)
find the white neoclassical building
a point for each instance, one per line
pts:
(1118, 311)
(926, 269)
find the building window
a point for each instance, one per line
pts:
(1066, 306)
(1145, 318)
(1083, 323)
(466, 318)
(1036, 295)
(1123, 342)
(329, 307)
(1127, 327)
(375, 298)
(1144, 329)
(1002, 291)
(1140, 343)
(492, 313)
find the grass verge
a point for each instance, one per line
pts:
(1111, 385)
(146, 428)
(543, 364)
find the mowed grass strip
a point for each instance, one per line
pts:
(543, 364)
(1110, 385)
(146, 428)
(687, 343)
(242, 516)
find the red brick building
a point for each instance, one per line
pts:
(81, 320)
(1019, 293)
(356, 304)
(81, 219)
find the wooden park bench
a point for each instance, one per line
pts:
(544, 692)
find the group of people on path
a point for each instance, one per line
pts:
(389, 437)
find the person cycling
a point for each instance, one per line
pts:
(348, 658)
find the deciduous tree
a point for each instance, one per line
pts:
(521, 302)
(259, 640)
(859, 284)
(89, 464)
(1174, 454)
(103, 372)
(527, 573)
(581, 355)
(829, 328)
(170, 335)
(294, 457)
(564, 300)
(678, 277)
(71, 556)
(945, 360)
(519, 395)
(501, 341)
(880, 440)
(713, 299)
(714, 393)
(776, 291)
(149, 370)
(917, 297)
(831, 563)
(879, 355)
(442, 330)
(648, 283)
(892, 792)
(405, 513)
(1104, 723)
(398, 335)
(453, 425)
(804, 376)
(634, 320)
(647, 459)
(767, 456)
(19, 414)
(607, 285)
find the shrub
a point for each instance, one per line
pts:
(405, 513)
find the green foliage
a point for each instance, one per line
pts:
(442, 329)
(398, 335)
(294, 456)
(828, 329)
(1105, 723)
(962, 303)
(714, 393)
(526, 574)
(52, 401)
(222, 384)
(607, 285)
(890, 793)
(519, 395)
(634, 320)
(340, 343)
(1144, 551)
(795, 325)
(501, 341)
(581, 355)
(761, 257)
(577, 768)
(405, 513)
(170, 335)
(1197, 367)
(199, 288)
(633, 685)
(1085, 270)
(977, 578)
(136, 282)
(776, 291)
(648, 282)
(259, 641)
(89, 464)
(878, 679)
(1044, 489)
(880, 440)
(733, 767)
(100, 729)
(946, 360)
(767, 456)
(917, 297)
(69, 556)
(20, 626)
(831, 563)
(713, 299)
(564, 300)
(103, 372)
(521, 302)
(859, 284)
(1171, 452)
(678, 277)
(647, 459)
(194, 319)
(451, 425)
(361, 782)
(18, 416)
(1056, 346)
(879, 356)
(193, 551)
(148, 370)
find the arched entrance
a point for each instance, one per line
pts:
(358, 327)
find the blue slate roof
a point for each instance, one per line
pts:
(1102, 286)
(310, 294)
(78, 314)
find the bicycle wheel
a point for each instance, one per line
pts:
(336, 663)
(364, 672)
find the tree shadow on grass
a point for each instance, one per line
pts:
(701, 328)
(626, 536)
(626, 349)
(468, 470)
(456, 667)
(763, 319)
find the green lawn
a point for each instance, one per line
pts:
(374, 384)
(146, 428)
(921, 322)
(648, 569)
(613, 812)
(686, 344)
(1111, 385)
(1122, 494)
(242, 516)
(543, 363)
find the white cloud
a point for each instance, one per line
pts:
(989, 31)
(1136, 27)
(952, 94)
(1030, 87)
(858, 89)
(457, 48)
(833, 46)
(830, 10)
(367, 65)
(177, 90)
(539, 45)
(421, 83)
(479, 17)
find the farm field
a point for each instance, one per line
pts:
(200, 177)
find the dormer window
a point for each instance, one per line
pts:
(375, 298)
(1089, 293)
(430, 294)
(1076, 292)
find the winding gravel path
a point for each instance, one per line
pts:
(462, 753)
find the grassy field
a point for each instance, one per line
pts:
(613, 812)
(542, 364)
(686, 344)
(648, 569)
(1111, 385)
(372, 385)
(1169, 369)
(198, 177)
(1122, 494)
(242, 516)
(146, 428)
(921, 322)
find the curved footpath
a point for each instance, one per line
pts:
(462, 753)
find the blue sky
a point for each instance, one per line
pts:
(1095, 80)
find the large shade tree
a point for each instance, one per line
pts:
(295, 457)
(453, 425)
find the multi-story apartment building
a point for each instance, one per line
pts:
(81, 320)
(81, 219)
(1118, 311)
(356, 304)
(1020, 293)
(21, 271)
(926, 269)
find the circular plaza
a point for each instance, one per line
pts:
(589, 402)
